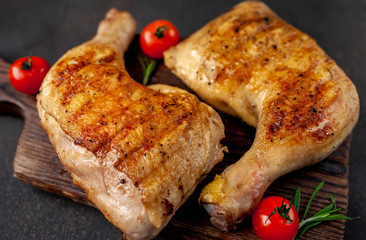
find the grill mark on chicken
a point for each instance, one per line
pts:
(250, 63)
(238, 67)
(168, 207)
(232, 44)
(300, 106)
(97, 133)
(138, 152)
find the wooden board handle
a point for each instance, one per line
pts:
(35, 161)
(8, 104)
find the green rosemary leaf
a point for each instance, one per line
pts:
(335, 217)
(324, 214)
(322, 217)
(142, 62)
(149, 70)
(327, 208)
(333, 200)
(296, 201)
(327, 213)
(148, 67)
(311, 198)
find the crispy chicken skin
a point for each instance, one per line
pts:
(251, 64)
(137, 152)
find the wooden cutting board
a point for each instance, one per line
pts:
(36, 163)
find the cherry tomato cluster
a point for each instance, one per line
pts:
(26, 74)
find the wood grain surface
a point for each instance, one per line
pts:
(36, 163)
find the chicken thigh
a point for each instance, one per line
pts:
(137, 152)
(251, 64)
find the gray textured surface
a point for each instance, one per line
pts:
(49, 28)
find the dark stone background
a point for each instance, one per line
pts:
(49, 28)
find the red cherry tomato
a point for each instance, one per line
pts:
(275, 227)
(26, 74)
(157, 37)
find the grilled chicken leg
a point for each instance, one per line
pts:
(137, 152)
(251, 64)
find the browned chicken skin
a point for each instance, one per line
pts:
(137, 152)
(251, 64)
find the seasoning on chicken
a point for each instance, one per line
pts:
(137, 152)
(251, 64)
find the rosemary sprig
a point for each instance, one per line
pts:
(326, 214)
(148, 67)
